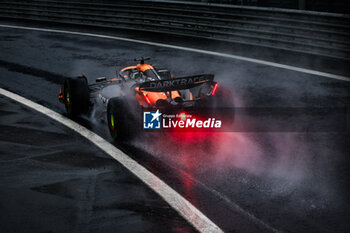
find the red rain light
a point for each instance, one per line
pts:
(214, 89)
(146, 98)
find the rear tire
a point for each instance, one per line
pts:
(121, 122)
(76, 96)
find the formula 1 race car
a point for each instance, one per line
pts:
(136, 88)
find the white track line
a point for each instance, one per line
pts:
(175, 200)
(262, 62)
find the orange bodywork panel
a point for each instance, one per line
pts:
(128, 68)
(144, 67)
(154, 96)
(175, 94)
(150, 98)
(140, 67)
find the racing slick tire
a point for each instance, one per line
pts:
(76, 96)
(120, 120)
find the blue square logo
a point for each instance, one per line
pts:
(151, 120)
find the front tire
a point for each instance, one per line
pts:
(76, 96)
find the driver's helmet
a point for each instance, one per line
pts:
(141, 77)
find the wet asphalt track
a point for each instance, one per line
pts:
(243, 181)
(53, 180)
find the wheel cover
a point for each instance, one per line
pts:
(112, 121)
(67, 97)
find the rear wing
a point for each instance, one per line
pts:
(176, 83)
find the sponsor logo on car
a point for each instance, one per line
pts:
(177, 82)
